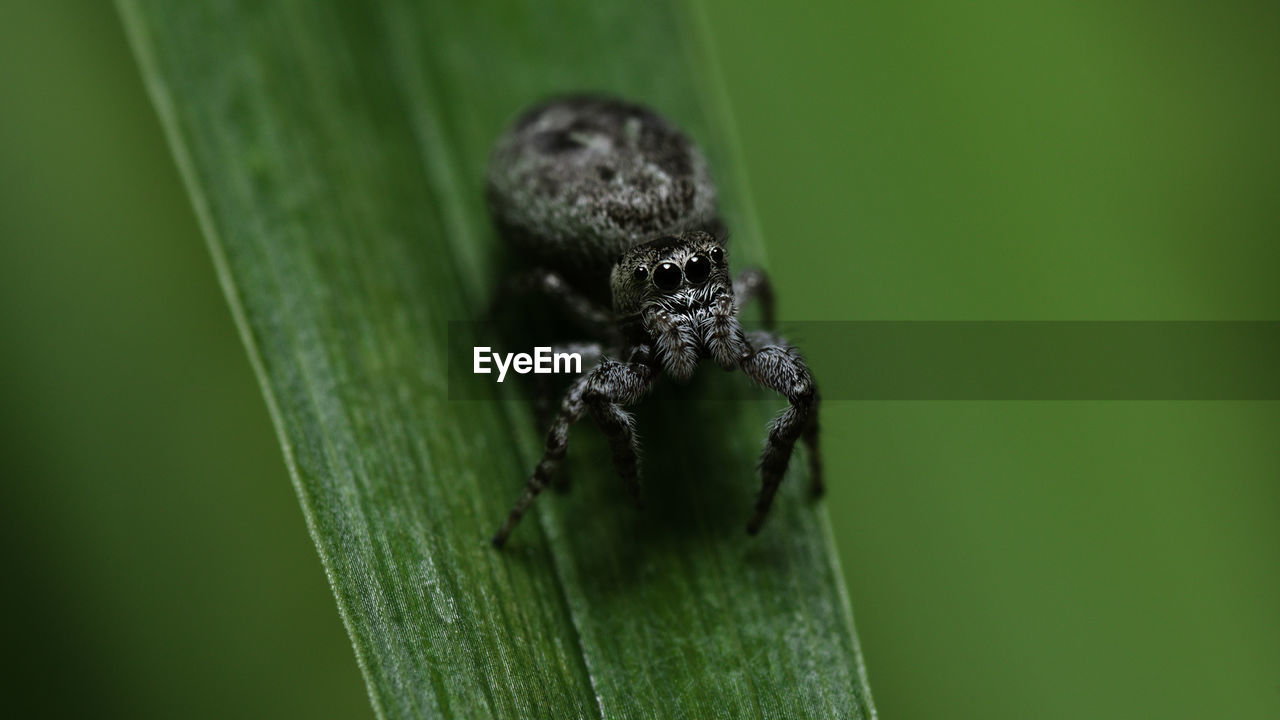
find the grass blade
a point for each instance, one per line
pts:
(335, 154)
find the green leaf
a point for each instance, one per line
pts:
(335, 153)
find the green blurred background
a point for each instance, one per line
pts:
(989, 160)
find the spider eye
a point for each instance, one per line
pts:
(717, 255)
(667, 276)
(641, 272)
(697, 269)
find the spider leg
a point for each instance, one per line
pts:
(753, 284)
(544, 386)
(598, 391)
(571, 409)
(613, 385)
(778, 366)
(544, 399)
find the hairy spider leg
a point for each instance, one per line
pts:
(545, 387)
(602, 392)
(617, 384)
(571, 408)
(779, 367)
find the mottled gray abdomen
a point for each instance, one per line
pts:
(576, 181)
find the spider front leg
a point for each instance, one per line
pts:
(599, 391)
(778, 366)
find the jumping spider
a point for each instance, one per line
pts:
(596, 189)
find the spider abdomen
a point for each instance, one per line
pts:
(576, 181)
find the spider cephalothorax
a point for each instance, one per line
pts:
(675, 294)
(559, 192)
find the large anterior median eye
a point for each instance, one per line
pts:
(667, 276)
(697, 269)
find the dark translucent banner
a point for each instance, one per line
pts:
(977, 360)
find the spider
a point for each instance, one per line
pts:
(614, 208)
